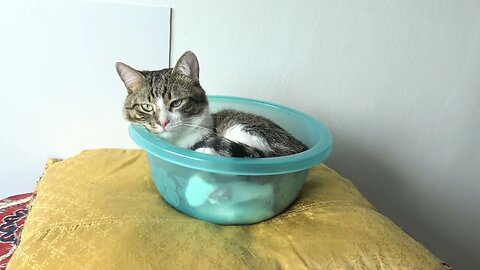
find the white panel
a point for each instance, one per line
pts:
(60, 92)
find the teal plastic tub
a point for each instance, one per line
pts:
(226, 190)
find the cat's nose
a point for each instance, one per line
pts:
(164, 123)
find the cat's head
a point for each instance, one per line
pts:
(168, 102)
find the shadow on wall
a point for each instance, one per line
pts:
(393, 196)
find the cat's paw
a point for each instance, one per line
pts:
(218, 195)
(207, 150)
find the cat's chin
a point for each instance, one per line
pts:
(166, 135)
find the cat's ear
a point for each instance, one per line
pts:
(131, 77)
(188, 65)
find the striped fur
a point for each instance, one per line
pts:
(171, 104)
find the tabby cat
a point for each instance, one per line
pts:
(172, 104)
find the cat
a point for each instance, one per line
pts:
(172, 105)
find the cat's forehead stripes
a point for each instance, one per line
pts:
(152, 85)
(158, 83)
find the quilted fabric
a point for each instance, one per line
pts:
(13, 212)
(100, 210)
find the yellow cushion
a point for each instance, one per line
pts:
(100, 210)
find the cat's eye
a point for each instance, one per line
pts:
(176, 103)
(147, 107)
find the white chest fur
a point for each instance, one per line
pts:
(189, 139)
(186, 136)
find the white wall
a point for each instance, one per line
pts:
(397, 83)
(59, 89)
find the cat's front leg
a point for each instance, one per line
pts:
(207, 150)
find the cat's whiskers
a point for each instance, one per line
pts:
(181, 122)
(189, 120)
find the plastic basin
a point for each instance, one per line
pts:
(226, 190)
